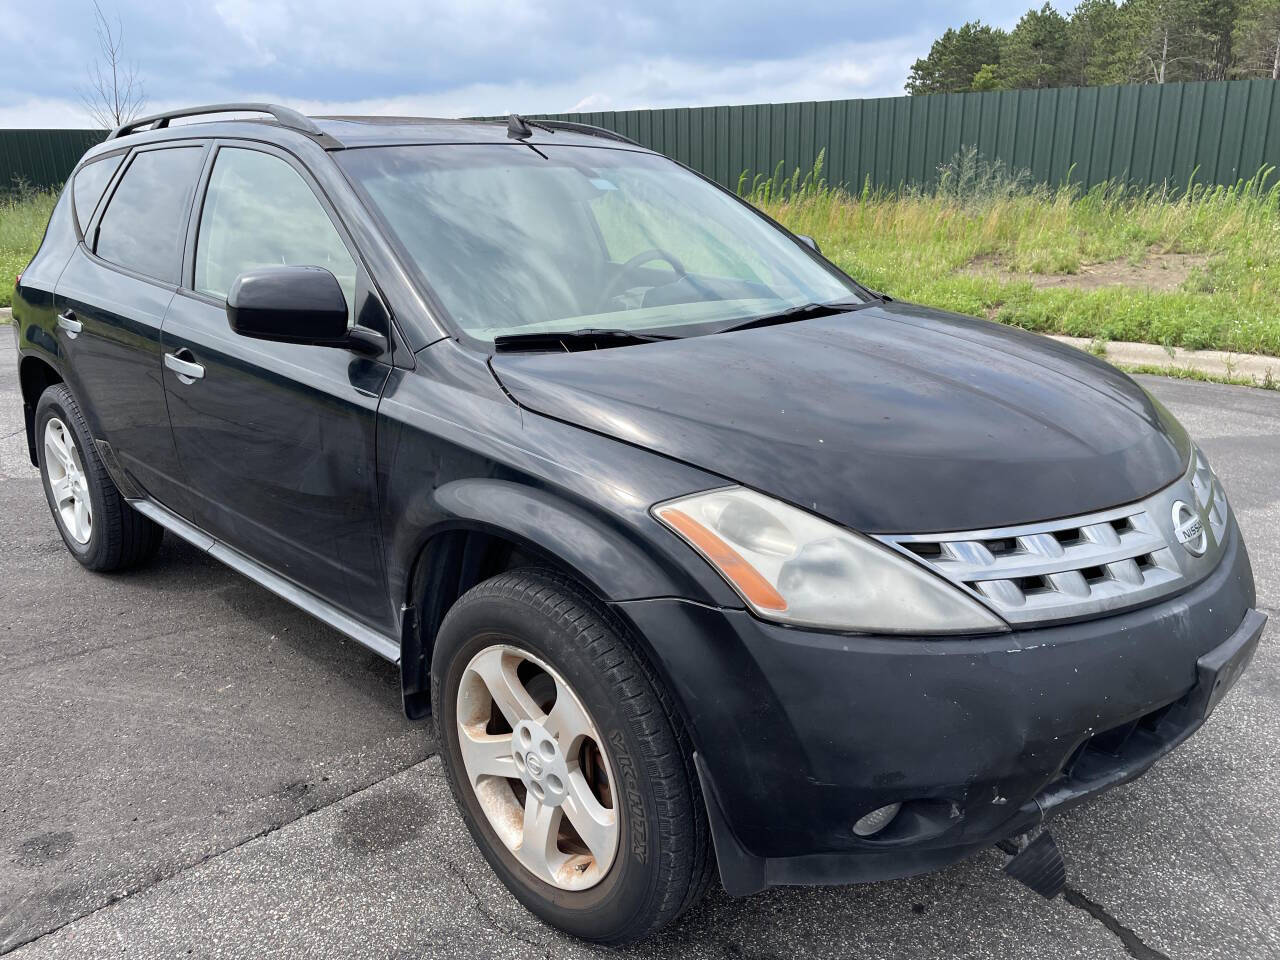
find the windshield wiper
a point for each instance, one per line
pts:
(806, 311)
(587, 338)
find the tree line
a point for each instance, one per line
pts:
(1104, 42)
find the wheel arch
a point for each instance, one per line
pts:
(488, 526)
(35, 376)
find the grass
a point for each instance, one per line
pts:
(921, 247)
(1268, 382)
(23, 215)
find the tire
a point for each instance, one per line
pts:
(662, 862)
(118, 537)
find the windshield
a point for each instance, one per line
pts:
(514, 240)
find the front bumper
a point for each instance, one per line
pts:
(800, 733)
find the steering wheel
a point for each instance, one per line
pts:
(619, 282)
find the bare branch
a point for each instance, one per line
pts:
(114, 93)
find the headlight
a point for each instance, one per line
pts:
(793, 567)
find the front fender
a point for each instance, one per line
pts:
(455, 452)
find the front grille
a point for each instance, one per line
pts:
(1082, 566)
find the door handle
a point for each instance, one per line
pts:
(183, 364)
(67, 321)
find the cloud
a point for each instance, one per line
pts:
(43, 112)
(487, 56)
(593, 101)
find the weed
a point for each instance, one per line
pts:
(971, 178)
(1268, 382)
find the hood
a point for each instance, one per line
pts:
(892, 419)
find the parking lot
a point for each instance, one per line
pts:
(193, 767)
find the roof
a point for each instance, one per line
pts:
(385, 131)
(336, 133)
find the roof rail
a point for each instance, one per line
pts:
(286, 117)
(564, 125)
(588, 128)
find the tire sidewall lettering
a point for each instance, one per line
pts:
(630, 783)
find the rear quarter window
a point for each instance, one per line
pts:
(143, 226)
(90, 182)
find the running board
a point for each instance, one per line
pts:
(285, 589)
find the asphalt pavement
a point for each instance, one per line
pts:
(191, 767)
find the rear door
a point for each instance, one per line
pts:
(277, 439)
(112, 298)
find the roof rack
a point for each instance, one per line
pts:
(290, 119)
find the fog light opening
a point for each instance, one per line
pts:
(876, 820)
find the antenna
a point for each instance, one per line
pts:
(517, 129)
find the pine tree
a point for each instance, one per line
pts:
(955, 58)
(1035, 52)
(1256, 39)
(1171, 40)
(1095, 54)
(1108, 41)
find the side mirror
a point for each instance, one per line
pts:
(289, 305)
(809, 242)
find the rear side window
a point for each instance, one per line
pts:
(142, 228)
(89, 184)
(258, 212)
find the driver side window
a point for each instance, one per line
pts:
(258, 212)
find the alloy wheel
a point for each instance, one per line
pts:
(537, 764)
(67, 480)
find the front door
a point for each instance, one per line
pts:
(277, 440)
(111, 300)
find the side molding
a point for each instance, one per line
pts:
(304, 600)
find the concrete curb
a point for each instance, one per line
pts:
(6, 315)
(1217, 363)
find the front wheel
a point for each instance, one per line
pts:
(570, 768)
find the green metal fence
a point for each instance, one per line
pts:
(42, 158)
(1144, 134)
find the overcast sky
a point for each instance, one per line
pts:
(464, 58)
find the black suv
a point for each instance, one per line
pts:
(702, 555)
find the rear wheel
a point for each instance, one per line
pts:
(567, 762)
(98, 526)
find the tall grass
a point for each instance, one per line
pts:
(922, 246)
(23, 215)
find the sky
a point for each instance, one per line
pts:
(429, 58)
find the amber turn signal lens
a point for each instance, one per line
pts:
(753, 587)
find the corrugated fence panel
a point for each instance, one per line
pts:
(42, 158)
(1217, 132)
